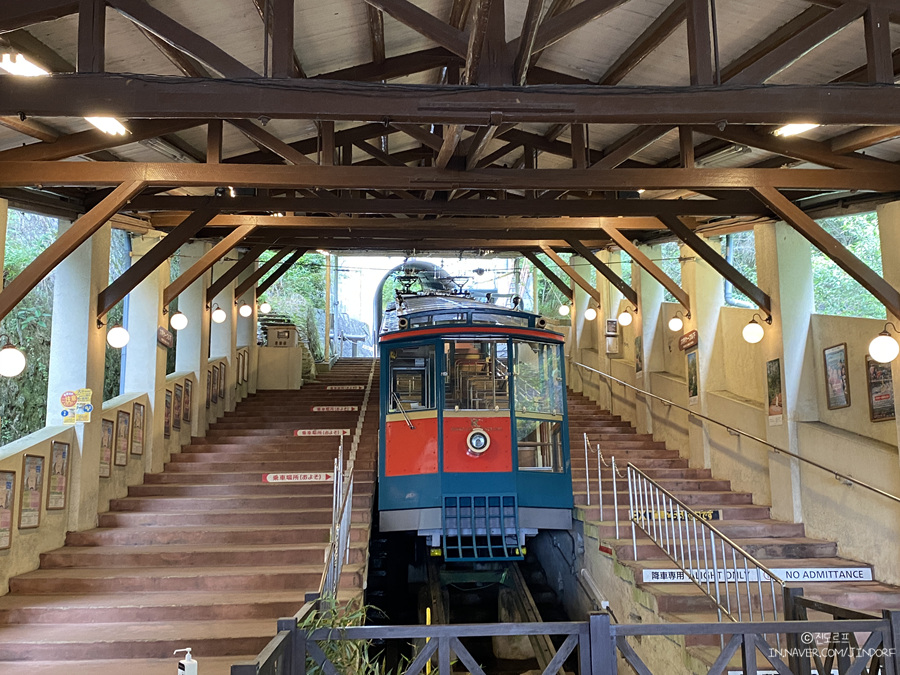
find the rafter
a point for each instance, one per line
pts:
(563, 287)
(395, 66)
(67, 242)
(270, 142)
(822, 240)
(862, 138)
(30, 127)
(422, 22)
(206, 261)
(573, 274)
(15, 14)
(232, 272)
(526, 40)
(664, 25)
(376, 33)
(263, 286)
(144, 266)
(613, 278)
(555, 28)
(260, 272)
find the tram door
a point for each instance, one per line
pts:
(412, 446)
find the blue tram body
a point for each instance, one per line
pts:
(474, 447)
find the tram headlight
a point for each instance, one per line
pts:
(478, 442)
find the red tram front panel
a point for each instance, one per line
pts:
(457, 456)
(411, 451)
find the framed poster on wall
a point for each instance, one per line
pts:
(188, 396)
(123, 434)
(137, 429)
(774, 393)
(837, 387)
(32, 497)
(7, 500)
(215, 384)
(693, 378)
(57, 484)
(222, 381)
(167, 421)
(107, 434)
(176, 407)
(208, 387)
(880, 383)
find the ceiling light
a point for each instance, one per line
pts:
(245, 310)
(231, 192)
(564, 310)
(753, 332)
(218, 314)
(884, 348)
(117, 337)
(641, 191)
(722, 156)
(590, 314)
(178, 321)
(20, 66)
(322, 251)
(12, 360)
(108, 125)
(794, 129)
(625, 318)
(265, 308)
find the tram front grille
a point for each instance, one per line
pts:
(481, 527)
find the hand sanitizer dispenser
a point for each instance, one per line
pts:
(187, 666)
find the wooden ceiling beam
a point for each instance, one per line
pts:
(264, 285)
(297, 68)
(555, 28)
(629, 145)
(91, 36)
(831, 247)
(154, 97)
(155, 21)
(395, 66)
(424, 136)
(699, 40)
(627, 291)
(719, 264)
(649, 266)
(281, 27)
(657, 33)
(67, 242)
(376, 33)
(264, 139)
(232, 272)
(424, 23)
(30, 127)
(563, 287)
(206, 261)
(526, 41)
(29, 174)
(141, 268)
(879, 62)
(94, 140)
(573, 274)
(859, 139)
(15, 14)
(261, 271)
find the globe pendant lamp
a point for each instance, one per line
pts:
(178, 321)
(753, 332)
(117, 337)
(218, 314)
(12, 360)
(625, 318)
(884, 348)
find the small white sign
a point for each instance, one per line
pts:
(345, 387)
(335, 408)
(804, 574)
(321, 432)
(297, 477)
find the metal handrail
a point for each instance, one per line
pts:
(649, 510)
(400, 408)
(775, 448)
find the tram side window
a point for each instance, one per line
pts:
(540, 445)
(538, 379)
(412, 379)
(477, 375)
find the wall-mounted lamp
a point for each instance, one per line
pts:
(178, 321)
(12, 360)
(245, 310)
(625, 317)
(884, 348)
(117, 337)
(265, 308)
(564, 310)
(676, 323)
(753, 332)
(590, 314)
(218, 314)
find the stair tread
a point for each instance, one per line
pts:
(142, 631)
(149, 599)
(172, 571)
(211, 665)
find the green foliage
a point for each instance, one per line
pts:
(549, 296)
(743, 252)
(835, 292)
(299, 293)
(119, 261)
(670, 263)
(23, 399)
(347, 656)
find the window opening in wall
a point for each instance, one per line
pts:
(119, 261)
(739, 249)
(625, 267)
(549, 296)
(834, 291)
(23, 399)
(175, 269)
(670, 263)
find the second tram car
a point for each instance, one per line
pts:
(474, 447)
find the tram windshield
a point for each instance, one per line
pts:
(412, 378)
(540, 445)
(477, 376)
(538, 383)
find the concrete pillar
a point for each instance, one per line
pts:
(580, 339)
(223, 336)
(706, 289)
(78, 360)
(245, 335)
(144, 359)
(646, 325)
(784, 271)
(192, 350)
(889, 234)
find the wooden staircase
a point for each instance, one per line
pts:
(776, 544)
(203, 555)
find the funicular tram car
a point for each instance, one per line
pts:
(474, 447)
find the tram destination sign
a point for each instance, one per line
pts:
(321, 432)
(788, 574)
(335, 408)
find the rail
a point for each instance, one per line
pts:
(672, 525)
(615, 473)
(599, 643)
(777, 450)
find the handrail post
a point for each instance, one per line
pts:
(603, 645)
(289, 624)
(587, 474)
(892, 642)
(615, 473)
(600, 482)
